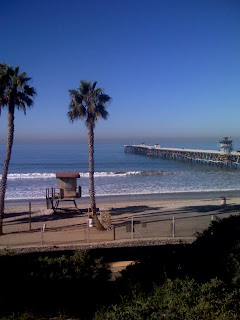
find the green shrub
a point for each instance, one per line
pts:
(215, 249)
(222, 233)
(23, 316)
(233, 265)
(178, 299)
(52, 284)
(80, 266)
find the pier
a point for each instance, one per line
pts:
(224, 158)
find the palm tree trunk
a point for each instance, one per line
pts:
(91, 167)
(6, 164)
(97, 223)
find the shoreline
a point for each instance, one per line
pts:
(195, 195)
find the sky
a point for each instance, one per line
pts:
(172, 67)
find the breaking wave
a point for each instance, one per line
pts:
(37, 175)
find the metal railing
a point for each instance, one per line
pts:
(75, 228)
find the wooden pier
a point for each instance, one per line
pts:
(223, 158)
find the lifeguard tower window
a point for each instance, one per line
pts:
(67, 189)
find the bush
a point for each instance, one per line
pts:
(233, 265)
(80, 266)
(44, 284)
(178, 299)
(222, 233)
(213, 247)
(213, 265)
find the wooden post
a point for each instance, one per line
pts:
(173, 227)
(42, 234)
(114, 232)
(88, 227)
(132, 228)
(30, 219)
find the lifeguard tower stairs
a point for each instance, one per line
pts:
(67, 190)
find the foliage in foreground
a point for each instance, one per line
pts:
(185, 282)
(80, 266)
(178, 299)
(52, 284)
(213, 265)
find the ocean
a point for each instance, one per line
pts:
(33, 167)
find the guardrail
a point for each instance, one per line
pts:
(75, 228)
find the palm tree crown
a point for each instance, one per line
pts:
(14, 88)
(88, 102)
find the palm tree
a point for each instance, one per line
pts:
(89, 103)
(15, 92)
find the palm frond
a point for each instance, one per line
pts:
(104, 98)
(73, 93)
(101, 112)
(77, 98)
(16, 70)
(3, 67)
(22, 106)
(29, 91)
(94, 85)
(85, 87)
(76, 111)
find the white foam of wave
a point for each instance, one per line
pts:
(37, 175)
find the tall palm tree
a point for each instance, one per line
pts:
(15, 93)
(89, 103)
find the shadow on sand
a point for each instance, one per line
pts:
(148, 214)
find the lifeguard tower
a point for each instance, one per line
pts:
(226, 145)
(67, 191)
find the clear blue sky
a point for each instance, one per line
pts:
(171, 67)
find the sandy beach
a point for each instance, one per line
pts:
(152, 216)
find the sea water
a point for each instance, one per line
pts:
(33, 166)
